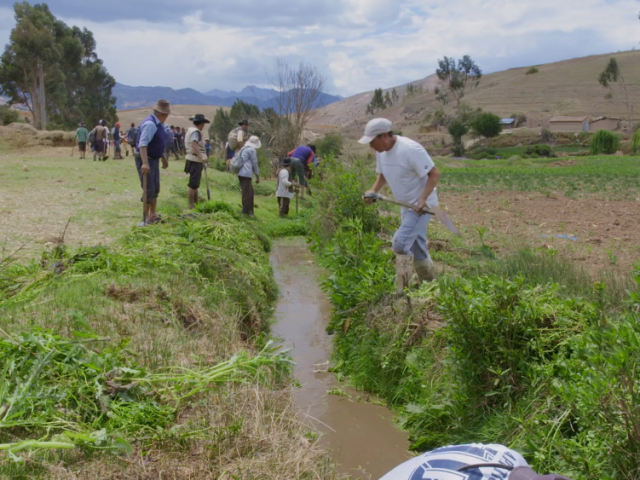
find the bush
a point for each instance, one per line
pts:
(8, 115)
(484, 153)
(546, 136)
(219, 164)
(532, 70)
(457, 130)
(539, 151)
(605, 142)
(330, 144)
(635, 141)
(487, 125)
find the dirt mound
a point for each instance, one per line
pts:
(24, 135)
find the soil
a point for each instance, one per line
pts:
(360, 434)
(538, 219)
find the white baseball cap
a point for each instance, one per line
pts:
(374, 128)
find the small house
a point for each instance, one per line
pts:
(508, 123)
(569, 124)
(604, 123)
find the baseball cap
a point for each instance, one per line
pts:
(526, 473)
(374, 128)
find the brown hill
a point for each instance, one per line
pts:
(180, 114)
(569, 87)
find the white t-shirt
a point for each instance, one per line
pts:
(194, 135)
(405, 167)
(443, 463)
(283, 184)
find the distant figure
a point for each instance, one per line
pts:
(197, 158)
(301, 157)
(116, 142)
(468, 462)
(100, 136)
(207, 146)
(283, 190)
(82, 135)
(170, 139)
(248, 157)
(132, 136)
(106, 140)
(183, 147)
(237, 139)
(150, 149)
(176, 138)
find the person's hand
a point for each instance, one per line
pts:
(257, 180)
(369, 200)
(165, 164)
(419, 208)
(145, 169)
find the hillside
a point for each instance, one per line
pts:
(569, 87)
(180, 114)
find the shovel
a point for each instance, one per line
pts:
(206, 180)
(144, 198)
(441, 216)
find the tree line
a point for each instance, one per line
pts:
(54, 70)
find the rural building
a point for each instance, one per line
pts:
(604, 123)
(508, 123)
(569, 124)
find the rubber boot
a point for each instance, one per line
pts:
(426, 270)
(404, 270)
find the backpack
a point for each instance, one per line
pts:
(92, 136)
(233, 138)
(237, 162)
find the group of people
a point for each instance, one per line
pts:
(100, 138)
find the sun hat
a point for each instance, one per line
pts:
(254, 142)
(163, 106)
(243, 122)
(286, 161)
(198, 118)
(374, 128)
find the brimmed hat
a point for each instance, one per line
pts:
(163, 106)
(199, 118)
(243, 122)
(254, 142)
(286, 162)
(374, 128)
(526, 473)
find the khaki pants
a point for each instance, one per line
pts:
(246, 188)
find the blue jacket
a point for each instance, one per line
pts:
(151, 134)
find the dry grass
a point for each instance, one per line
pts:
(180, 114)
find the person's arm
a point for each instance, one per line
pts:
(284, 179)
(432, 183)
(254, 162)
(147, 131)
(242, 138)
(423, 166)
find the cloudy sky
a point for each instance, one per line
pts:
(358, 44)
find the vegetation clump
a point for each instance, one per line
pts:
(604, 142)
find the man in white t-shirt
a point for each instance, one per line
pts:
(406, 167)
(468, 462)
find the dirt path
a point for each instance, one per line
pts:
(362, 436)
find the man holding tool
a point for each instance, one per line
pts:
(197, 159)
(409, 171)
(150, 149)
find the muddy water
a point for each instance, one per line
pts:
(361, 436)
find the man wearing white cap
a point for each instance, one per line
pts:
(406, 167)
(248, 161)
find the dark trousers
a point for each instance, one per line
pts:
(284, 205)
(246, 187)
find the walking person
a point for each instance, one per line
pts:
(406, 167)
(132, 136)
(236, 140)
(207, 146)
(170, 137)
(248, 158)
(283, 190)
(301, 157)
(81, 136)
(150, 149)
(100, 136)
(197, 158)
(115, 133)
(183, 147)
(176, 139)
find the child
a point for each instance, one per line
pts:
(207, 147)
(283, 191)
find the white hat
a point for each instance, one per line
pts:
(254, 142)
(374, 128)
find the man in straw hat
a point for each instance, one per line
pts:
(468, 462)
(409, 171)
(248, 159)
(197, 159)
(82, 134)
(150, 147)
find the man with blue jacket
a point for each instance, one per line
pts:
(150, 149)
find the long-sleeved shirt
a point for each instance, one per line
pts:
(147, 132)
(82, 134)
(249, 168)
(283, 184)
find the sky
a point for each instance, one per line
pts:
(358, 45)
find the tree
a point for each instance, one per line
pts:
(47, 59)
(457, 76)
(299, 92)
(377, 102)
(457, 130)
(241, 110)
(394, 97)
(387, 100)
(220, 127)
(612, 75)
(487, 125)
(605, 142)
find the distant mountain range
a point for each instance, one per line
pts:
(139, 97)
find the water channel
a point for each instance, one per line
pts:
(361, 436)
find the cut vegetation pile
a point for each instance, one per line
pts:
(21, 135)
(149, 358)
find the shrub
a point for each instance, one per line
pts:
(605, 142)
(546, 136)
(635, 141)
(532, 70)
(487, 125)
(457, 130)
(8, 115)
(330, 144)
(484, 153)
(539, 150)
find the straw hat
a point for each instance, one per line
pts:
(163, 107)
(254, 142)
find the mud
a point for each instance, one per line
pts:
(362, 436)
